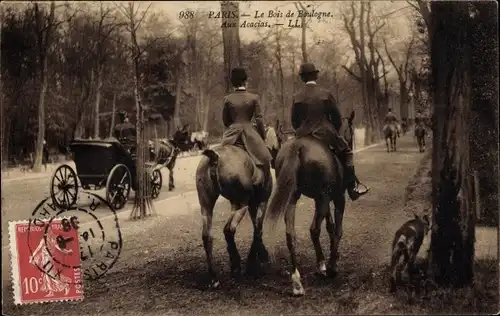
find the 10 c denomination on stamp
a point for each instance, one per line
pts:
(39, 255)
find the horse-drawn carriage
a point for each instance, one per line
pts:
(197, 141)
(100, 164)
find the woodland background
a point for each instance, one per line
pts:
(76, 61)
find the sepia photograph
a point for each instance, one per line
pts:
(249, 157)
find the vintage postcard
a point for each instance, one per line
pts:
(249, 157)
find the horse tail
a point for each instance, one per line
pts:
(286, 183)
(213, 157)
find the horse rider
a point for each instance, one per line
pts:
(419, 118)
(315, 113)
(390, 119)
(240, 109)
(125, 131)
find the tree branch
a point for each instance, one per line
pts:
(400, 75)
(358, 78)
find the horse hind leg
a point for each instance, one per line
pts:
(387, 144)
(335, 230)
(208, 193)
(291, 242)
(207, 208)
(258, 252)
(237, 214)
(322, 209)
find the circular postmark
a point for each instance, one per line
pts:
(84, 241)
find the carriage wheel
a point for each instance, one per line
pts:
(156, 183)
(64, 187)
(118, 186)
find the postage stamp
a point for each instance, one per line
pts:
(39, 253)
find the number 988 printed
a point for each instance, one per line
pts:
(186, 15)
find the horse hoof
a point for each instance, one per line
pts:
(298, 292)
(321, 269)
(214, 284)
(170, 188)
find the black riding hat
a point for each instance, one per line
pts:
(308, 68)
(238, 75)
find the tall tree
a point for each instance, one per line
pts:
(143, 205)
(106, 24)
(453, 234)
(367, 62)
(230, 38)
(403, 70)
(46, 25)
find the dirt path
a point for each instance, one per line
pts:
(162, 268)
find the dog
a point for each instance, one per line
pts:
(407, 242)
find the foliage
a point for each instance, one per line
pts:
(89, 71)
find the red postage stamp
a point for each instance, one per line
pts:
(45, 260)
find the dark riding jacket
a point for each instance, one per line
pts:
(419, 118)
(315, 113)
(390, 118)
(241, 109)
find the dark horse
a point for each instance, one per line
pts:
(306, 166)
(390, 135)
(164, 152)
(229, 171)
(420, 133)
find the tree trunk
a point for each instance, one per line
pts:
(97, 102)
(453, 234)
(403, 100)
(41, 117)
(281, 76)
(304, 46)
(231, 40)
(178, 92)
(113, 114)
(206, 117)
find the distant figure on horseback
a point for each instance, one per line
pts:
(390, 130)
(239, 170)
(317, 163)
(125, 132)
(420, 130)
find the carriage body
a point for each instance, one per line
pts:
(94, 160)
(99, 164)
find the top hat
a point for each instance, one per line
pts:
(238, 74)
(308, 68)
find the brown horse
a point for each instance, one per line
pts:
(306, 166)
(420, 133)
(390, 134)
(229, 171)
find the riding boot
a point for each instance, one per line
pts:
(351, 178)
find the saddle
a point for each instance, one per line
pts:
(259, 175)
